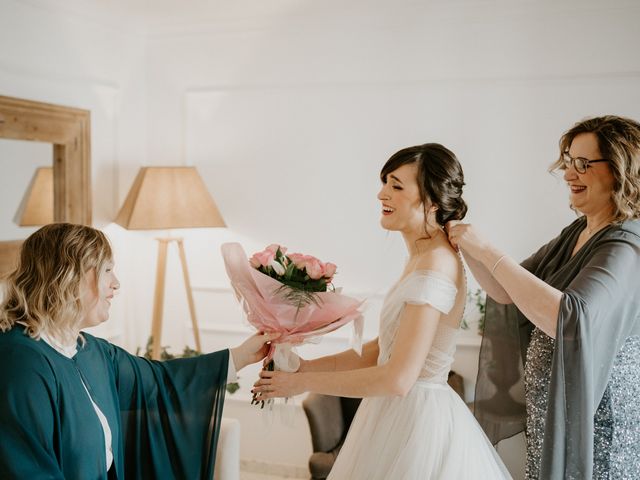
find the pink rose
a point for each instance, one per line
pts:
(255, 263)
(314, 268)
(274, 248)
(298, 259)
(263, 259)
(330, 269)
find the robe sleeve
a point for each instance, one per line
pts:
(28, 417)
(546, 260)
(499, 404)
(499, 410)
(171, 413)
(598, 311)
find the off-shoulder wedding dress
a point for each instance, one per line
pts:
(429, 433)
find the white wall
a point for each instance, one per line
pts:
(87, 61)
(290, 116)
(290, 108)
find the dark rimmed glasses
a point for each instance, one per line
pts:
(580, 164)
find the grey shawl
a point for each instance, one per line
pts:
(599, 310)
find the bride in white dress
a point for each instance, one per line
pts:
(410, 424)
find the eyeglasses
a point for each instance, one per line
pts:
(579, 163)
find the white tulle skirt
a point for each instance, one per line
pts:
(428, 434)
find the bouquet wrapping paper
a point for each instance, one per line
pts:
(269, 309)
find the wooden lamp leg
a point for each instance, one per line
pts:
(158, 298)
(187, 284)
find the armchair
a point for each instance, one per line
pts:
(329, 420)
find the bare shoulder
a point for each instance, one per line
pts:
(442, 259)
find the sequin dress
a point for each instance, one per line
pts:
(616, 450)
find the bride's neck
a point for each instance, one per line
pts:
(419, 243)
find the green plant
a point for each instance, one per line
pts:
(186, 353)
(480, 298)
(479, 301)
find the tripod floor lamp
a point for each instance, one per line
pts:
(164, 198)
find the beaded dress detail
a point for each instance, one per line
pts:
(616, 443)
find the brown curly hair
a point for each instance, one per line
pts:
(619, 142)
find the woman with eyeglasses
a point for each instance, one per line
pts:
(571, 311)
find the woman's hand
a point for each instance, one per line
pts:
(465, 236)
(252, 350)
(303, 364)
(278, 384)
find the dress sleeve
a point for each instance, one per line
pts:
(599, 310)
(426, 287)
(28, 410)
(171, 413)
(608, 278)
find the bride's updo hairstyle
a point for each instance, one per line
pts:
(440, 179)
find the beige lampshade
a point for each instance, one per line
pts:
(168, 197)
(36, 207)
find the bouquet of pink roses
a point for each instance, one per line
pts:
(301, 275)
(291, 294)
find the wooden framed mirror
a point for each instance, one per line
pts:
(69, 130)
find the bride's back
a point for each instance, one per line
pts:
(437, 277)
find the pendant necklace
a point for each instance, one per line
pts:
(593, 229)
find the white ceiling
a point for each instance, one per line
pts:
(159, 15)
(152, 13)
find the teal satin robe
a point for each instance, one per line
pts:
(164, 416)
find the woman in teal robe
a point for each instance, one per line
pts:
(73, 406)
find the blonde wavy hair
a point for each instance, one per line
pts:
(619, 142)
(44, 291)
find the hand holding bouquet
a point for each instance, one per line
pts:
(292, 295)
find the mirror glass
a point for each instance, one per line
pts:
(19, 161)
